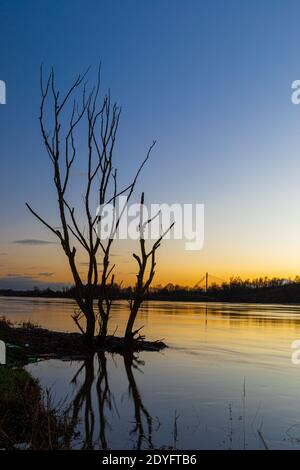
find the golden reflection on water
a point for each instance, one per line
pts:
(182, 324)
(258, 333)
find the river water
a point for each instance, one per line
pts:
(226, 381)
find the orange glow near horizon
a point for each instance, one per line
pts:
(48, 265)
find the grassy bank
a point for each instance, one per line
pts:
(27, 418)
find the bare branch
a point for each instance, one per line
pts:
(43, 221)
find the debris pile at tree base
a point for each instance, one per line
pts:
(35, 342)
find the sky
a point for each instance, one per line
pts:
(210, 80)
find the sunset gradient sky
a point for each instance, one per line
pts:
(210, 80)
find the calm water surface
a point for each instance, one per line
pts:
(225, 381)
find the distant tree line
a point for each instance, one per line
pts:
(263, 289)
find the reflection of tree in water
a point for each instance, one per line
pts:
(141, 414)
(82, 405)
(83, 400)
(105, 398)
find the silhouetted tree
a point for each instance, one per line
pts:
(60, 117)
(146, 259)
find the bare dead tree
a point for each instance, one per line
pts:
(60, 117)
(144, 278)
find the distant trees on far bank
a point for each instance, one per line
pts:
(263, 289)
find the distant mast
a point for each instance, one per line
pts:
(206, 282)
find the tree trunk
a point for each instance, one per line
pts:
(130, 323)
(104, 324)
(90, 328)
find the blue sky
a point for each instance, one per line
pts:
(210, 80)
